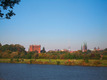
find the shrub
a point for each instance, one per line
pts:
(86, 60)
(11, 60)
(69, 63)
(58, 62)
(40, 62)
(31, 61)
(46, 62)
(97, 63)
(22, 60)
(17, 60)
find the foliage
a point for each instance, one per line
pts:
(43, 50)
(31, 61)
(58, 62)
(86, 60)
(69, 62)
(11, 60)
(17, 59)
(7, 5)
(96, 63)
(22, 60)
(28, 56)
(18, 51)
(54, 61)
(105, 49)
(13, 48)
(0, 45)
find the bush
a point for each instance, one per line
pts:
(22, 60)
(40, 62)
(69, 63)
(31, 61)
(86, 60)
(17, 60)
(58, 62)
(11, 60)
(97, 63)
(46, 62)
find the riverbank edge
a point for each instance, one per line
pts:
(67, 62)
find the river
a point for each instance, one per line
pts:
(11, 71)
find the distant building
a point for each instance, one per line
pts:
(35, 48)
(65, 50)
(57, 49)
(96, 49)
(71, 51)
(84, 47)
(50, 50)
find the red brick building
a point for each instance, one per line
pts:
(35, 48)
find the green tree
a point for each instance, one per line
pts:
(22, 55)
(6, 8)
(43, 50)
(5, 55)
(14, 55)
(0, 45)
(105, 49)
(35, 55)
(13, 48)
(29, 56)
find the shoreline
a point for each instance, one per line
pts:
(66, 62)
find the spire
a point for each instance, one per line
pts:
(84, 48)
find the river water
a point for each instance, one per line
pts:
(11, 71)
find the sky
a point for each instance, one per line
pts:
(57, 24)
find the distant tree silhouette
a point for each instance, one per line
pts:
(0, 45)
(43, 50)
(105, 49)
(6, 8)
(13, 48)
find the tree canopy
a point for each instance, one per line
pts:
(43, 50)
(6, 8)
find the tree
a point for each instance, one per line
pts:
(22, 55)
(14, 55)
(5, 55)
(5, 47)
(29, 56)
(105, 49)
(0, 45)
(43, 50)
(6, 8)
(35, 56)
(88, 51)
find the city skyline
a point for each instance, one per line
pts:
(35, 47)
(57, 24)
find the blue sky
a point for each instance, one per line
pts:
(57, 24)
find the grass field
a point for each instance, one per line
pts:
(79, 62)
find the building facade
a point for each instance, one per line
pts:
(35, 48)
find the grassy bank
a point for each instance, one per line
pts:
(79, 62)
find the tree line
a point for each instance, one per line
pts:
(18, 51)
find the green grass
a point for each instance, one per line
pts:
(4, 60)
(62, 61)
